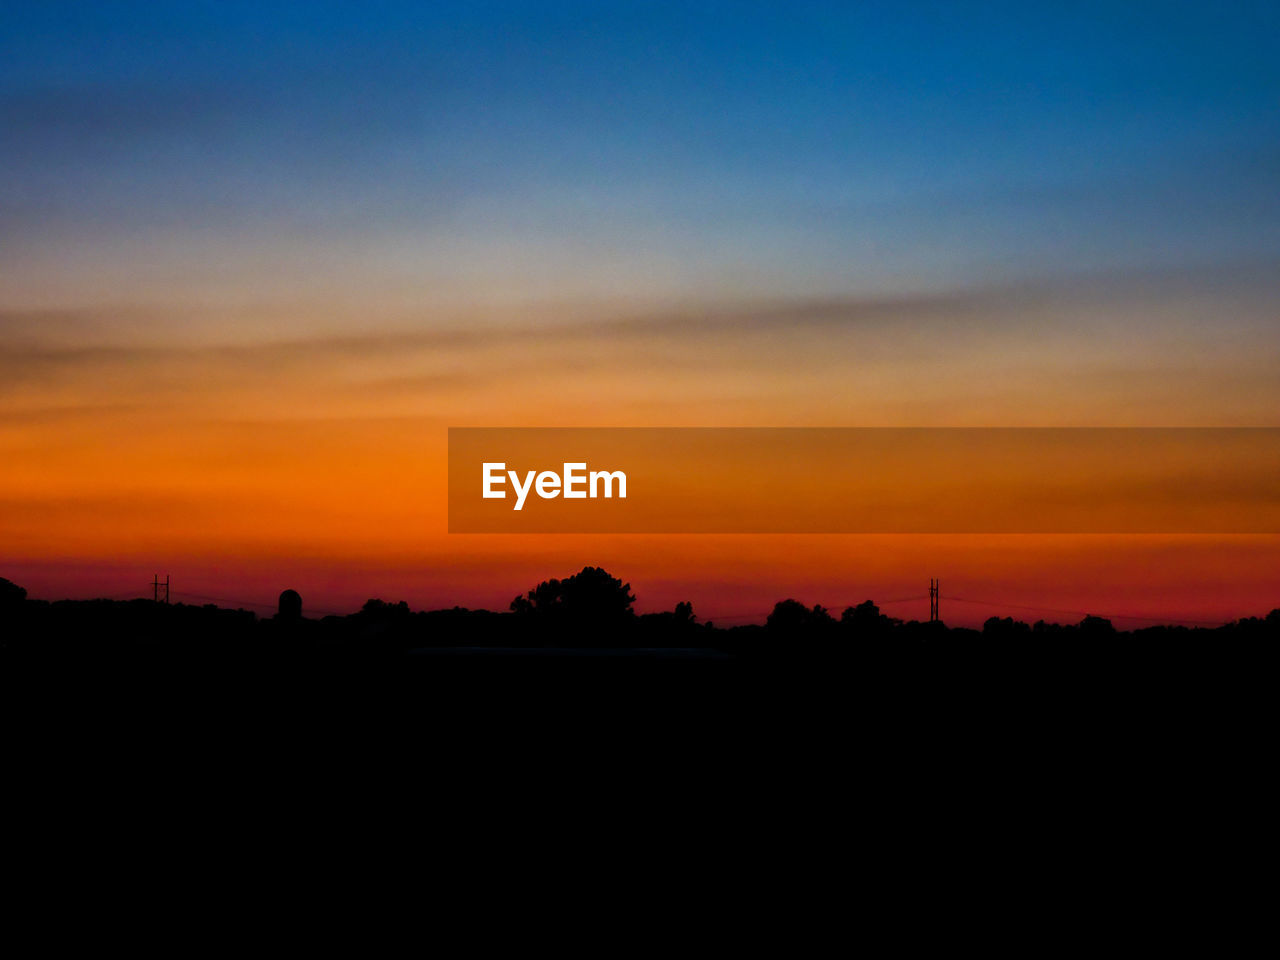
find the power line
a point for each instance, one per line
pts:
(249, 603)
(244, 603)
(1086, 613)
(1004, 604)
(747, 616)
(114, 597)
(159, 589)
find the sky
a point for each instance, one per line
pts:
(256, 258)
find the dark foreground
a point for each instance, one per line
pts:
(138, 676)
(863, 765)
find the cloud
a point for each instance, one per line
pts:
(1137, 342)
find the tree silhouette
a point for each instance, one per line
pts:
(1005, 628)
(382, 610)
(866, 618)
(1096, 627)
(792, 615)
(10, 593)
(591, 596)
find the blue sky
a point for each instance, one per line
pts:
(631, 149)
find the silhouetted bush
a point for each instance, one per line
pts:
(589, 597)
(1005, 628)
(10, 593)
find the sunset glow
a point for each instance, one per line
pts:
(253, 266)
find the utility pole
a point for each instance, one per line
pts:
(155, 588)
(933, 600)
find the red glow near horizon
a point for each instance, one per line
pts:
(737, 579)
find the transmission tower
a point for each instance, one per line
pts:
(933, 600)
(156, 586)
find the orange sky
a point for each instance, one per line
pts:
(256, 259)
(243, 463)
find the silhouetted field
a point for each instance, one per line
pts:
(855, 733)
(573, 648)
